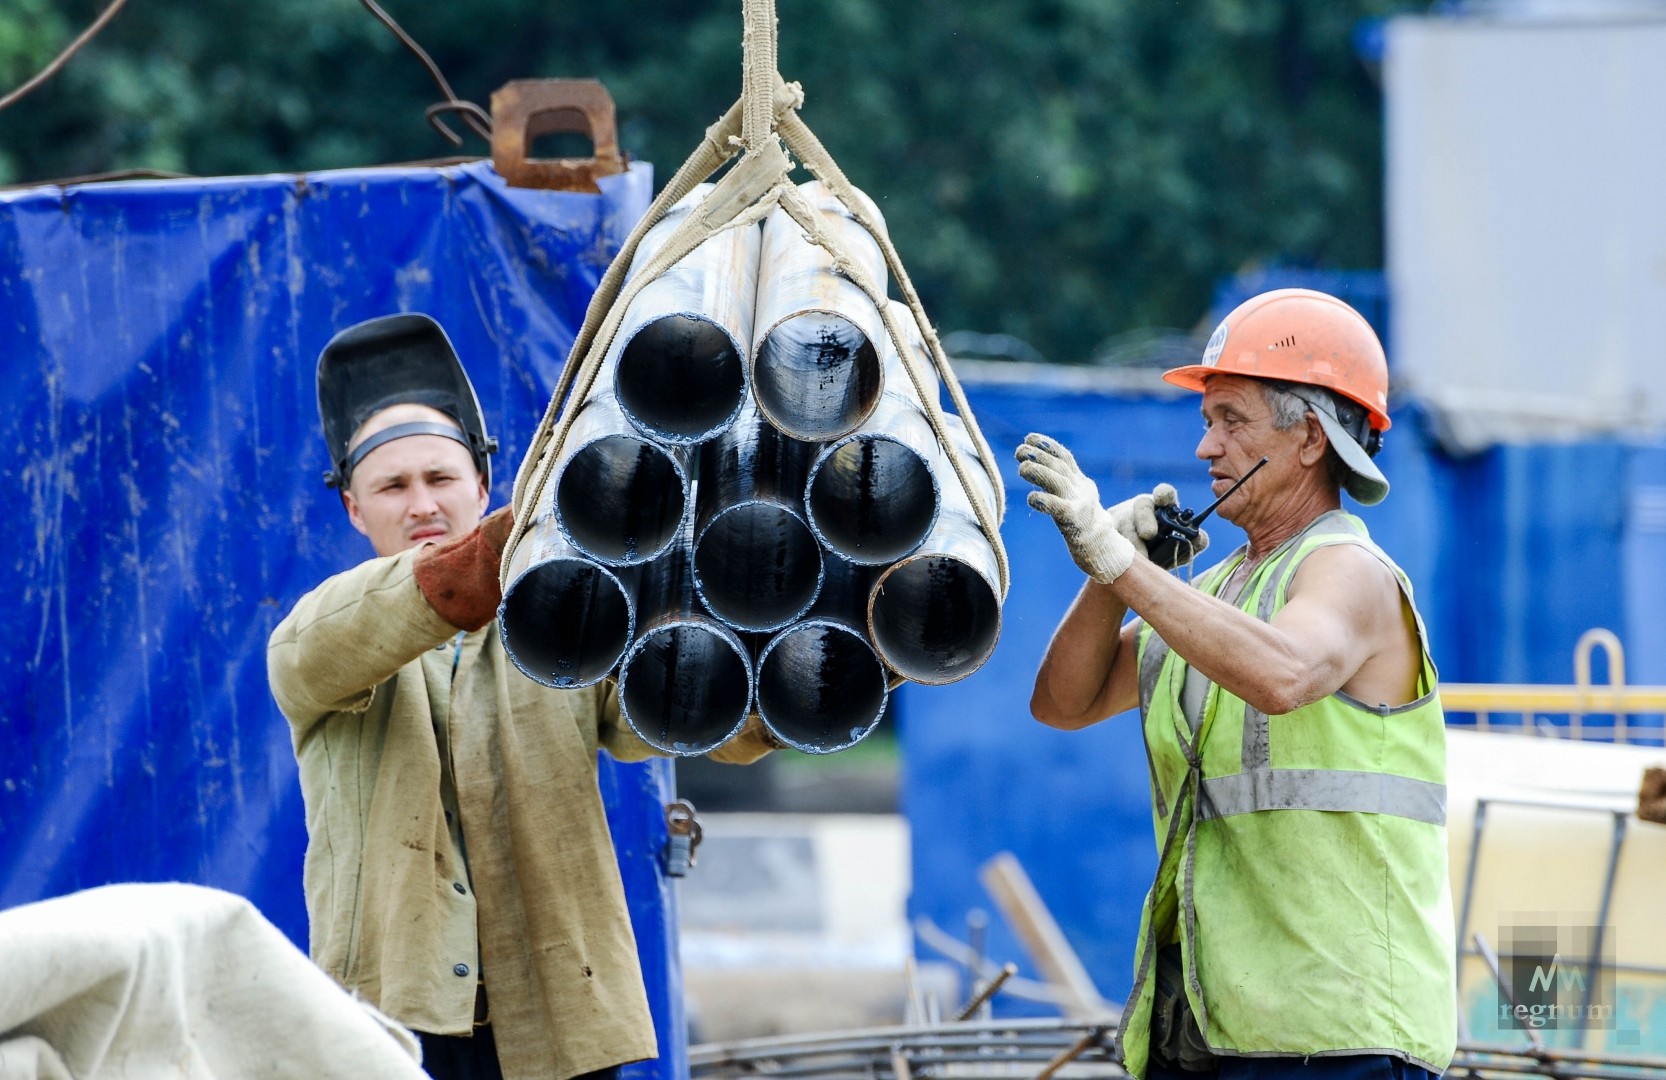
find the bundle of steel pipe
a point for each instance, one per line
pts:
(786, 543)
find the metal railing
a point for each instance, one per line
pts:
(1613, 712)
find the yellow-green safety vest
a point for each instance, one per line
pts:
(1303, 865)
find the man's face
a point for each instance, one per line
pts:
(1238, 433)
(414, 489)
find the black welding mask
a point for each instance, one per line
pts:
(395, 360)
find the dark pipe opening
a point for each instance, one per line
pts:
(566, 622)
(935, 619)
(681, 378)
(685, 688)
(757, 566)
(821, 687)
(817, 376)
(620, 499)
(872, 499)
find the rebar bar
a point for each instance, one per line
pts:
(679, 361)
(756, 563)
(1012, 1048)
(685, 683)
(620, 498)
(816, 363)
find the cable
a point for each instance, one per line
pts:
(62, 58)
(473, 115)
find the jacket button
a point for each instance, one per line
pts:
(461, 969)
(458, 885)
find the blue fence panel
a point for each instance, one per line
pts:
(1513, 553)
(160, 342)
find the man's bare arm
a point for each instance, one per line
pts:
(1088, 672)
(1343, 608)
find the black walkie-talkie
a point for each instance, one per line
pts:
(1176, 527)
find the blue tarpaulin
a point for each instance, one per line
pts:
(162, 472)
(1514, 553)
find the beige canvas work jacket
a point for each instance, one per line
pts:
(455, 829)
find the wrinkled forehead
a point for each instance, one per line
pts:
(1223, 390)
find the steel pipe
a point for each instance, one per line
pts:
(756, 563)
(816, 361)
(685, 684)
(678, 364)
(935, 616)
(871, 496)
(565, 619)
(620, 498)
(896, 378)
(821, 687)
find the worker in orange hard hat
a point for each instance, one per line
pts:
(1300, 922)
(1321, 350)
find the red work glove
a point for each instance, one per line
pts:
(459, 578)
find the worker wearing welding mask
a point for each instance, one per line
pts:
(459, 872)
(1300, 923)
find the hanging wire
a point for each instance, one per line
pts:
(473, 115)
(62, 58)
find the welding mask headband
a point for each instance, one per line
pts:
(399, 431)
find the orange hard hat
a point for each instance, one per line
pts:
(1298, 336)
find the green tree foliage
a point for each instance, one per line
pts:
(1060, 170)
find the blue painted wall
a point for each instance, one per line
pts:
(161, 481)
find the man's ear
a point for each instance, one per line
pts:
(1314, 443)
(485, 494)
(353, 515)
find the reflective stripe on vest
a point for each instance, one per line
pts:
(1335, 790)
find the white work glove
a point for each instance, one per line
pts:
(1072, 501)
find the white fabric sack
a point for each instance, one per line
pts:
(169, 980)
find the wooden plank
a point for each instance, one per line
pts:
(1010, 887)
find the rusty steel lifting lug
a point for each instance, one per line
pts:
(527, 109)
